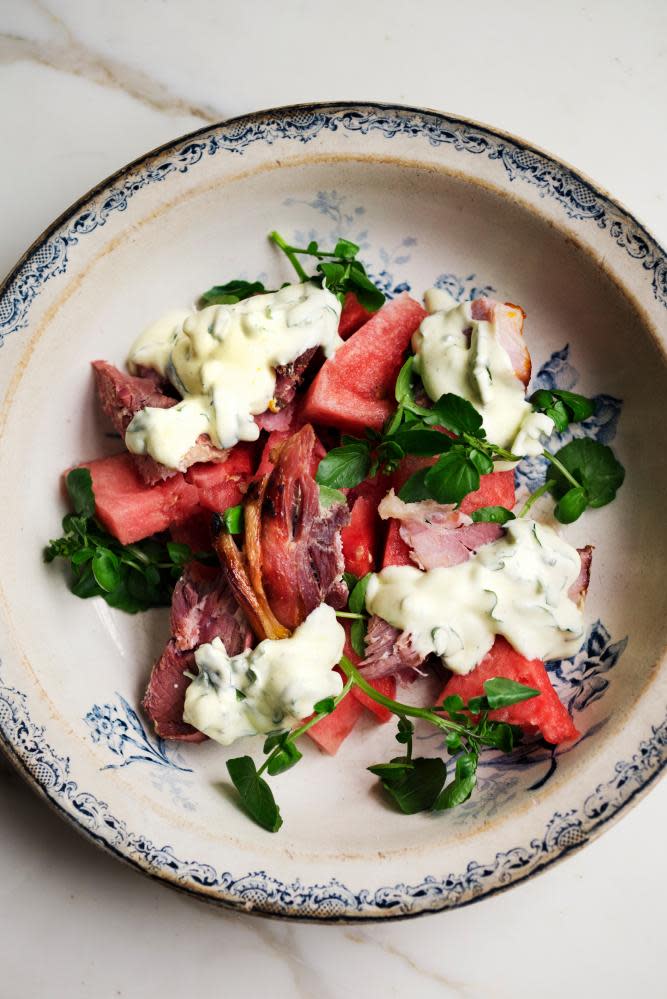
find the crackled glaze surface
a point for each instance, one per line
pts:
(431, 200)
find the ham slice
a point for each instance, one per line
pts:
(389, 652)
(509, 326)
(122, 396)
(579, 588)
(202, 608)
(301, 549)
(438, 535)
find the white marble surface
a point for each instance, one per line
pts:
(87, 85)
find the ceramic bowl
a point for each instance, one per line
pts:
(432, 200)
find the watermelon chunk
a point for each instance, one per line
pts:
(353, 315)
(331, 731)
(495, 489)
(222, 484)
(396, 552)
(360, 538)
(544, 714)
(132, 510)
(355, 389)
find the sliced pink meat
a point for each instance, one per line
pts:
(438, 535)
(122, 396)
(509, 326)
(389, 652)
(579, 588)
(290, 376)
(202, 608)
(301, 550)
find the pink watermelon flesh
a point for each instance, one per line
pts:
(544, 714)
(222, 484)
(353, 315)
(331, 731)
(131, 510)
(355, 389)
(360, 538)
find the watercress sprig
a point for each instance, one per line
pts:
(129, 577)
(337, 269)
(413, 784)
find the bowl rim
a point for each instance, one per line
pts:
(231, 901)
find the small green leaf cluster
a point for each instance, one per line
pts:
(232, 292)
(282, 754)
(418, 785)
(563, 407)
(131, 578)
(583, 474)
(337, 269)
(357, 610)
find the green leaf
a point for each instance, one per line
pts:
(329, 497)
(406, 730)
(481, 461)
(502, 693)
(578, 406)
(571, 505)
(344, 467)
(80, 489)
(256, 795)
(415, 489)
(460, 789)
(179, 553)
(358, 636)
(84, 584)
(452, 477)
(285, 758)
(422, 441)
(232, 519)
(392, 772)
(274, 739)
(477, 704)
(350, 580)
(325, 706)
(593, 465)
(492, 514)
(453, 703)
(345, 248)
(357, 599)
(456, 414)
(106, 569)
(403, 387)
(417, 788)
(233, 291)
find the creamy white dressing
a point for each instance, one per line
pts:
(478, 369)
(222, 360)
(516, 587)
(269, 688)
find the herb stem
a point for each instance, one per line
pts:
(289, 252)
(355, 617)
(561, 468)
(536, 495)
(302, 729)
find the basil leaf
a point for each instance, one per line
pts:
(593, 465)
(571, 506)
(79, 484)
(415, 489)
(233, 291)
(462, 786)
(502, 693)
(452, 477)
(255, 794)
(344, 467)
(329, 497)
(456, 414)
(417, 788)
(492, 515)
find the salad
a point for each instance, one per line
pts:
(320, 484)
